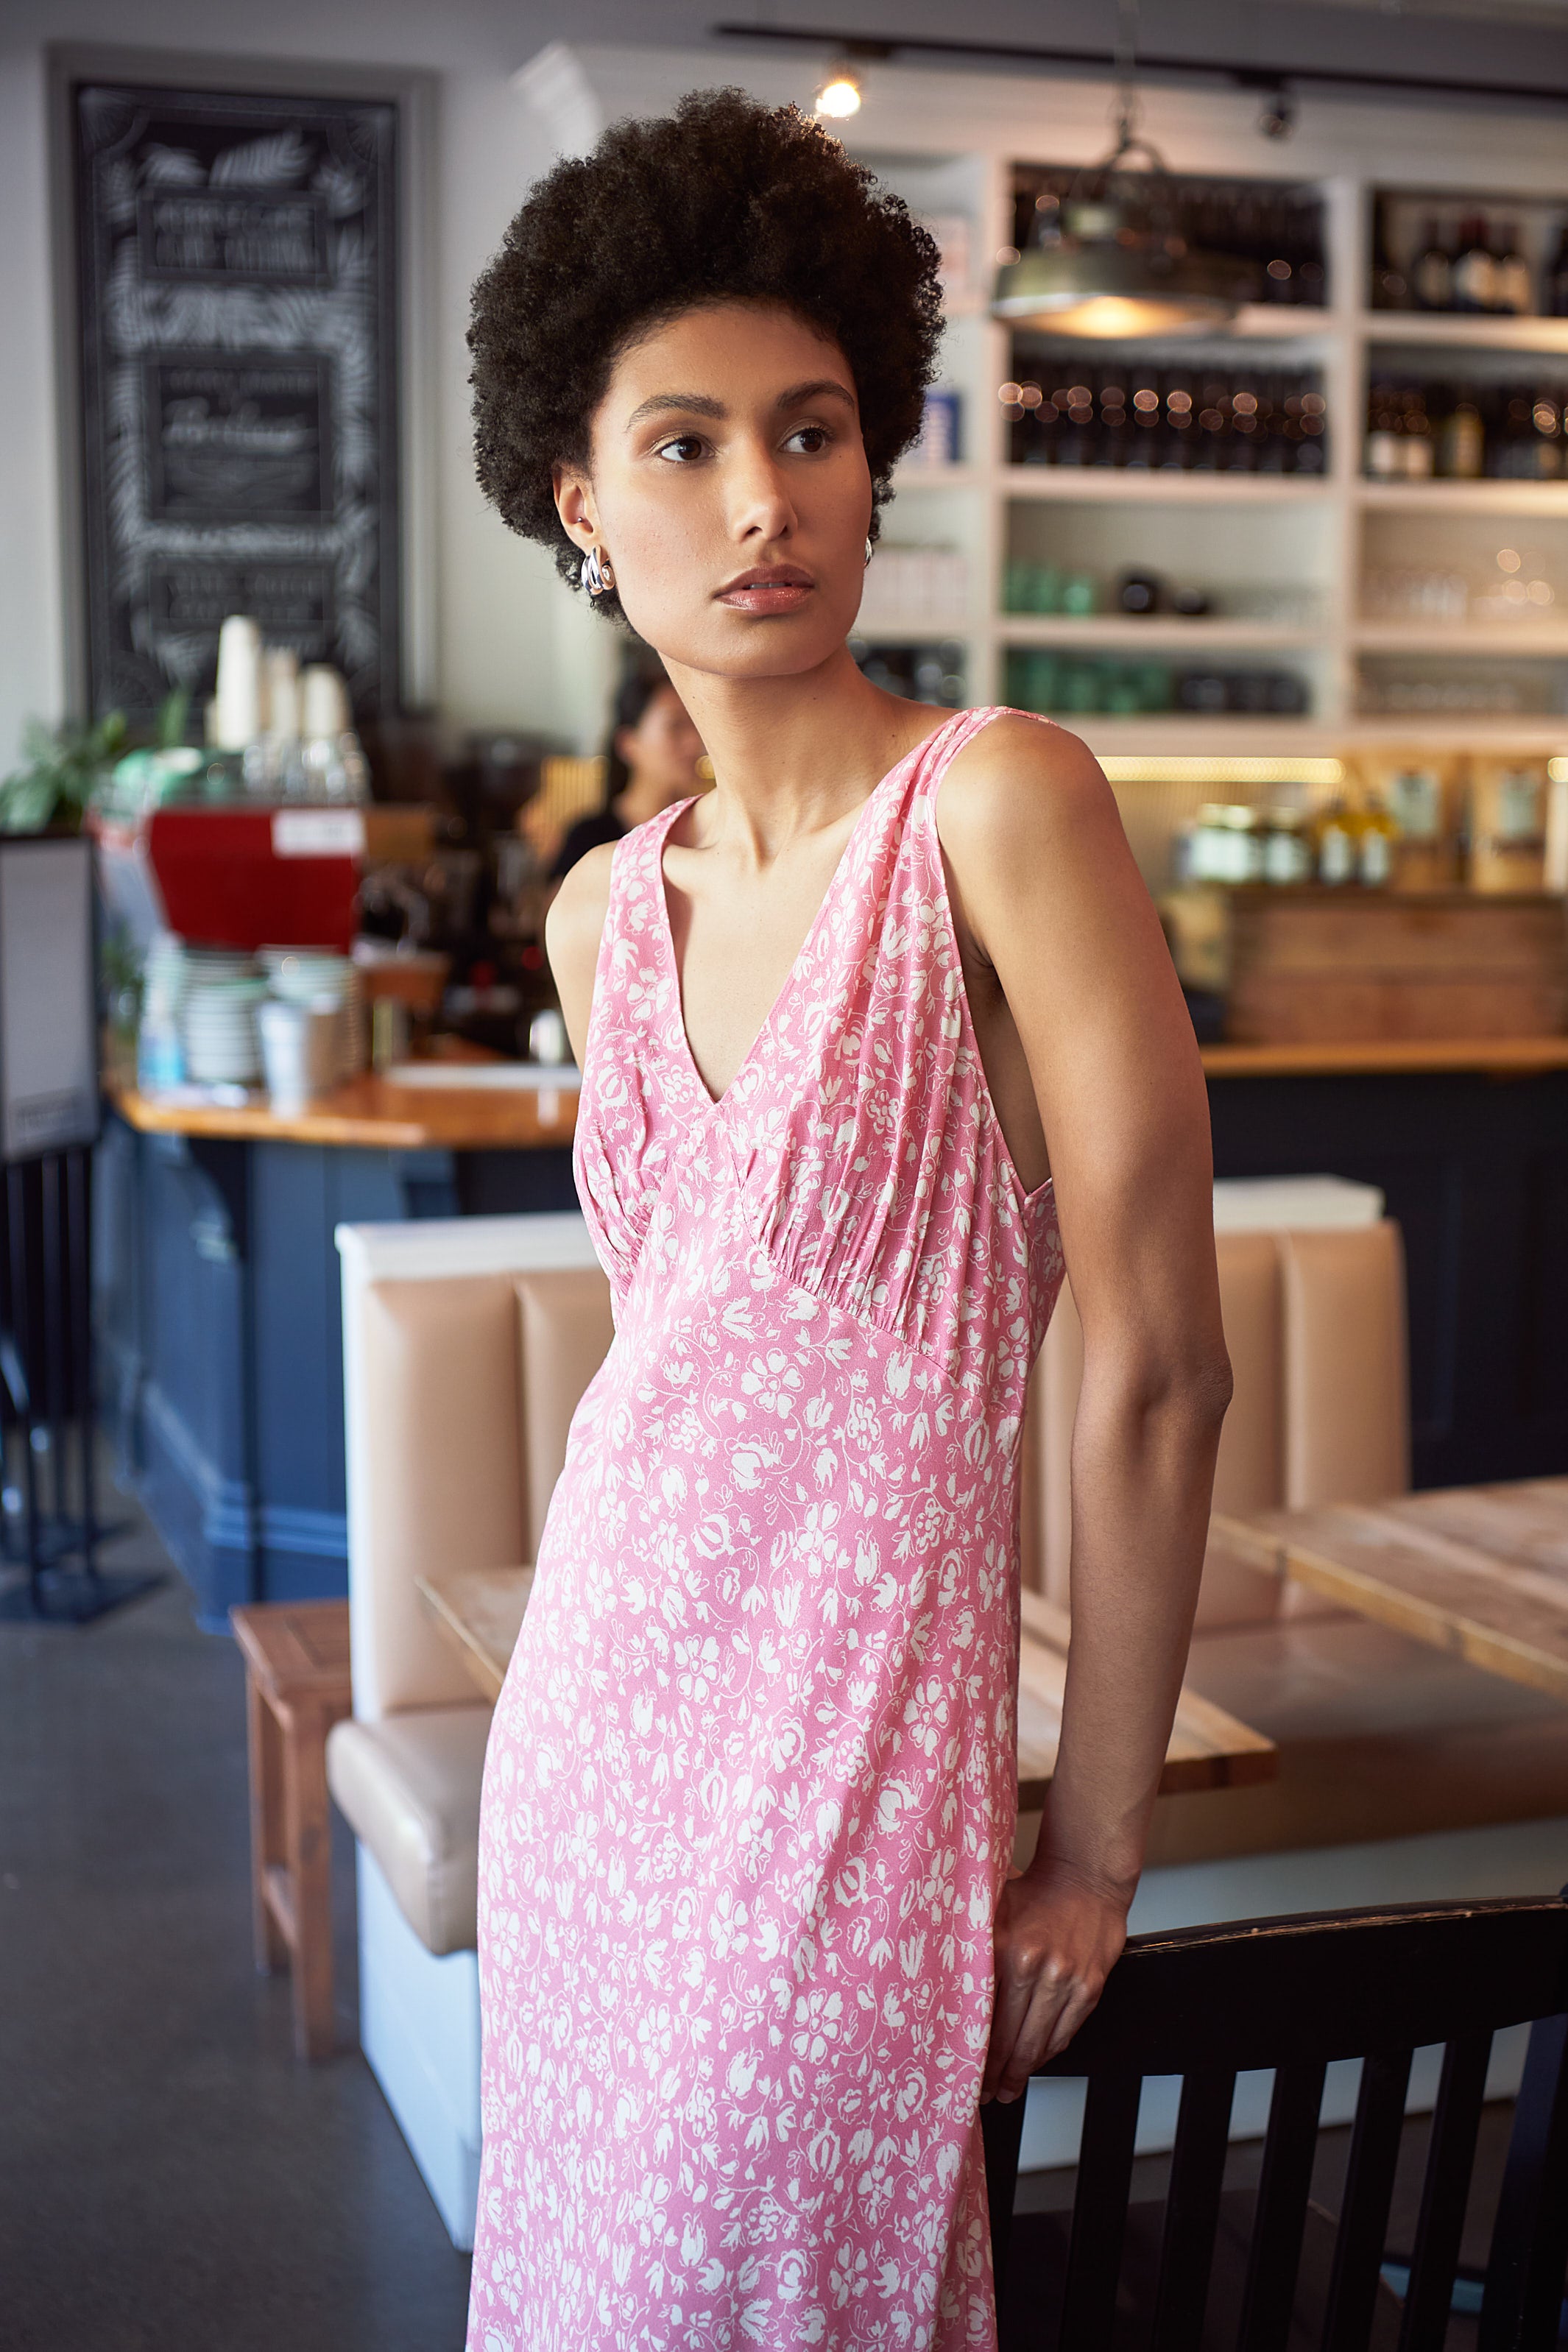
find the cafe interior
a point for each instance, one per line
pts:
(297, 1302)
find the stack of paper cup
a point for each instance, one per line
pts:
(238, 718)
(323, 703)
(299, 1052)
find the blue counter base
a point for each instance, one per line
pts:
(220, 1337)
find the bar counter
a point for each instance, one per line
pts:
(376, 1115)
(217, 1279)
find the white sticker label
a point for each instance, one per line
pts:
(318, 833)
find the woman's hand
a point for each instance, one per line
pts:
(1056, 1940)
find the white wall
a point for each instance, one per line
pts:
(32, 654)
(508, 649)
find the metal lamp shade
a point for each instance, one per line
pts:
(1105, 287)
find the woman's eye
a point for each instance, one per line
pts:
(682, 450)
(809, 439)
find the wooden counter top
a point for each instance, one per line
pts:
(374, 1116)
(1498, 1056)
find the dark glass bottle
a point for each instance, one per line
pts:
(1512, 292)
(1214, 426)
(1432, 274)
(1475, 269)
(1115, 431)
(1554, 291)
(1179, 439)
(1146, 418)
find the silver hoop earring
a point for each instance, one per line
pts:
(598, 578)
(867, 546)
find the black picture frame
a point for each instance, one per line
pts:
(236, 333)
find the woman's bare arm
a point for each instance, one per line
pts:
(1046, 888)
(573, 931)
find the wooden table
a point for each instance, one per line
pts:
(296, 1688)
(1479, 1570)
(480, 1612)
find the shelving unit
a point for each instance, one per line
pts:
(1313, 535)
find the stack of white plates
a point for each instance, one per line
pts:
(316, 977)
(219, 1026)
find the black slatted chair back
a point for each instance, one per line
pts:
(1294, 1994)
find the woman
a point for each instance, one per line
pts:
(651, 759)
(870, 1034)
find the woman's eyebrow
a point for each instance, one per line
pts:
(702, 404)
(814, 390)
(688, 404)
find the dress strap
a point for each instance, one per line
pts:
(631, 910)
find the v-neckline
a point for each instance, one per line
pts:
(786, 988)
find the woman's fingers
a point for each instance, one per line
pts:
(1056, 2005)
(1053, 1947)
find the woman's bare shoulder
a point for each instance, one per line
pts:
(573, 929)
(1019, 785)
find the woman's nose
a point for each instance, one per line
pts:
(759, 503)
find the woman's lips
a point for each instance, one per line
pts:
(782, 591)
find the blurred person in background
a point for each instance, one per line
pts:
(652, 759)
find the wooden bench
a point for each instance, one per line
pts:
(296, 1686)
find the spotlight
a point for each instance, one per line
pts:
(1276, 115)
(839, 96)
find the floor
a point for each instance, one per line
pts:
(170, 2180)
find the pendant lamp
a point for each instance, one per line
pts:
(1115, 266)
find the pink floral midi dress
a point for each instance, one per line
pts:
(751, 1789)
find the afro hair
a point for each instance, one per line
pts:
(724, 200)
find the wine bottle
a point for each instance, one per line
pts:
(1432, 277)
(1385, 457)
(1178, 446)
(1461, 442)
(1547, 416)
(1416, 444)
(1475, 269)
(1390, 286)
(1214, 426)
(1147, 424)
(1114, 429)
(1554, 292)
(1512, 292)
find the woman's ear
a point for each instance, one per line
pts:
(574, 505)
(624, 736)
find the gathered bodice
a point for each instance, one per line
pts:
(857, 1153)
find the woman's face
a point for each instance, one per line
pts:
(664, 747)
(730, 489)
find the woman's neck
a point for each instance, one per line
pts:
(793, 755)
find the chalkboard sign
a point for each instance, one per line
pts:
(237, 275)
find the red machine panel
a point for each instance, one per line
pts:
(246, 878)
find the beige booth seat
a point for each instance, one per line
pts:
(470, 1383)
(466, 1386)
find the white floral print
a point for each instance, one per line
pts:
(751, 1787)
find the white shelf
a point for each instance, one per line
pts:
(1156, 486)
(1458, 332)
(1484, 640)
(1464, 497)
(1530, 733)
(935, 478)
(1161, 633)
(1226, 735)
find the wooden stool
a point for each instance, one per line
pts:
(296, 1688)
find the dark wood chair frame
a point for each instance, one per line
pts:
(1208, 2003)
